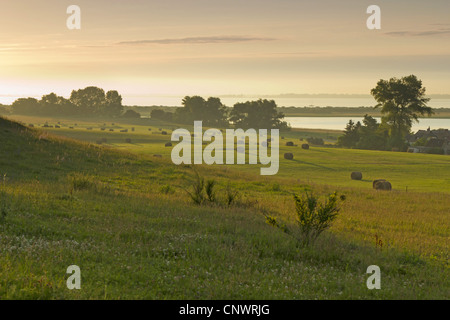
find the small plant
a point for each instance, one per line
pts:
(4, 206)
(230, 195)
(210, 192)
(313, 217)
(198, 185)
(166, 189)
(80, 181)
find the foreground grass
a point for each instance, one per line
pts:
(126, 221)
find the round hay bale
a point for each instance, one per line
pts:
(168, 144)
(376, 181)
(289, 144)
(305, 146)
(383, 185)
(356, 175)
(288, 156)
(164, 133)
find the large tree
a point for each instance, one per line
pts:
(260, 114)
(88, 101)
(402, 102)
(212, 112)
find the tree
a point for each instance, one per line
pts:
(212, 112)
(113, 104)
(161, 115)
(402, 102)
(260, 114)
(351, 135)
(52, 104)
(26, 106)
(372, 136)
(88, 101)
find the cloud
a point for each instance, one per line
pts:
(443, 31)
(197, 40)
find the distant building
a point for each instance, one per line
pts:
(430, 141)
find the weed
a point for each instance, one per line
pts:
(313, 217)
(210, 192)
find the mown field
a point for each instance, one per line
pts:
(124, 217)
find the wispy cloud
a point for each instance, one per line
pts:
(198, 40)
(441, 31)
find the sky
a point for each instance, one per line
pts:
(146, 49)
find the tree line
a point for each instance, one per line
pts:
(90, 101)
(257, 114)
(401, 102)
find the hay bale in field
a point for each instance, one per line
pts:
(168, 144)
(356, 175)
(57, 127)
(164, 133)
(103, 129)
(132, 129)
(70, 127)
(383, 185)
(375, 182)
(111, 130)
(305, 146)
(149, 129)
(289, 156)
(124, 130)
(289, 144)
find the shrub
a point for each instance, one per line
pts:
(210, 192)
(197, 186)
(315, 141)
(81, 181)
(231, 195)
(313, 217)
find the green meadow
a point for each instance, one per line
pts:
(118, 208)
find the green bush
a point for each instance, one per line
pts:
(312, 217)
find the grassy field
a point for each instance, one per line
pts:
(122, 215)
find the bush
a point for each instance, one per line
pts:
(313, 217)
(315, 141)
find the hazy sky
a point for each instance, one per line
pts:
(211, 47)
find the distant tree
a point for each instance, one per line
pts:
(260, 114)
(4, 109)
(402, 101)
(52, 104)
(113, 104)
(161, 115)
(351, 135)
(372, 136)
(369, 135)
(89, 101)
(26, 106)
(212, 112)
(131, 114)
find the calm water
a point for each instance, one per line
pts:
(339, 123)
(174, 101)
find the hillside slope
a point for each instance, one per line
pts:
(127, 223)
